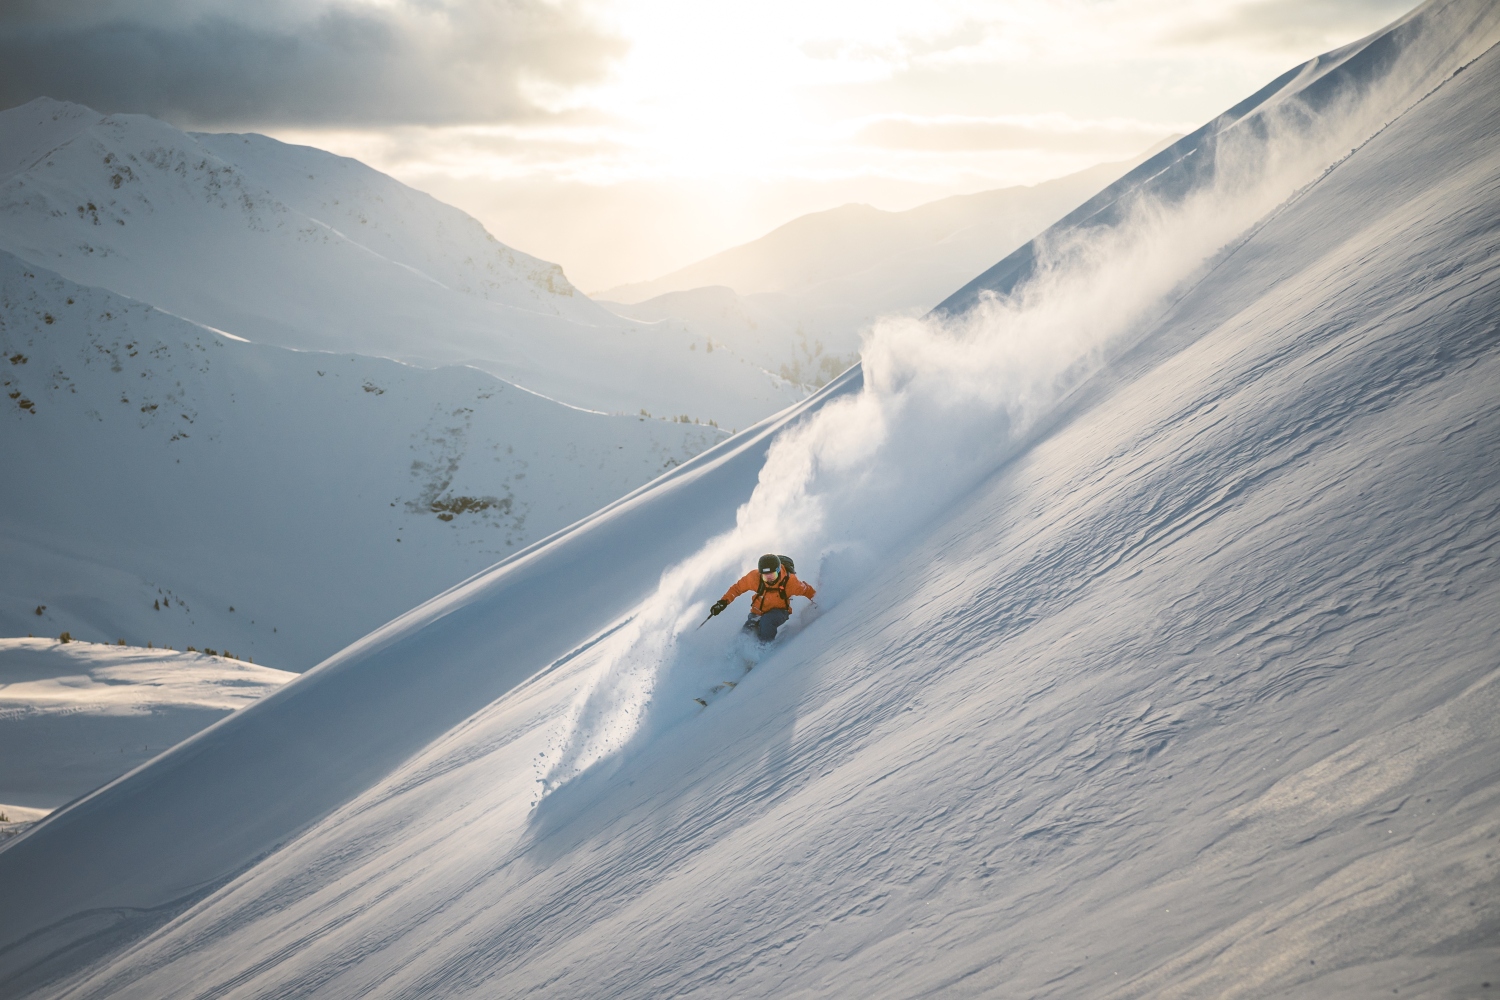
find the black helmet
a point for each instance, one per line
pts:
(769, 563)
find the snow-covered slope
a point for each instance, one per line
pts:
(76, 715)
(1307, 115)
(167, 484)
(298, 248)
(1156, 659)
(16, 820)
(400, 224)
(797, 300)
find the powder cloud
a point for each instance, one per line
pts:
(946, 401)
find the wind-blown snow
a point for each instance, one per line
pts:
(1181, 686)
(798, 299)
(948, 399)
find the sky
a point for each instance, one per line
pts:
(626, 138)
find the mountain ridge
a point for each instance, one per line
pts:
(798, 252)
(799, 300)
(136, 206)
(252, 476)
(1183, 691)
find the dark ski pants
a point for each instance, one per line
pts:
(765, 626)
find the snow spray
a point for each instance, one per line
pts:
(947, 400)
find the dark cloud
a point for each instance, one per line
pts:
(1294, 24)
(417, 62)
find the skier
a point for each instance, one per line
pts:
(775, 583)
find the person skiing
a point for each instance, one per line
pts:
(775, 583)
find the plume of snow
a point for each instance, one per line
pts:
(946, 401)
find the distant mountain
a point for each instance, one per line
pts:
(797, 299)
(1154, 655)
(296, 247)
(163, 482)
(857, 242)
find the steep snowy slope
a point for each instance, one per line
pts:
(349, 722)
(298, 248)
(1285, 126)
(28, 135)
(163, 483)
(76, 715)
(1157, 658)
(400, 224)
(797, 300)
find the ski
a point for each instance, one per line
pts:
(721, 687)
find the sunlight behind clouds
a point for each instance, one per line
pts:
(625, 138)
(724, 120)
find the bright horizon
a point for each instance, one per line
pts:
(624, 139)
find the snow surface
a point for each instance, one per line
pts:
(1156, 655)
(295, 247)
(16, 820)
(1305, 116)
(76, 715)
(165, 483)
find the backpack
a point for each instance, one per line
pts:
(780, 588)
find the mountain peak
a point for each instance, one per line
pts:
(300, 248)
(32, 130)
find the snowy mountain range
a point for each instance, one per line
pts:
(177, 430)
(798, 300)
(1154, 653)
(295, 247)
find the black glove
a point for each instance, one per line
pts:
(718, 606)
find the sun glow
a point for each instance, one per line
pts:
(712, 122)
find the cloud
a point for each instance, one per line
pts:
(1291, 25)
(1053, 133)
(408, 62)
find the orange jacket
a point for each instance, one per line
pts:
(771, 597)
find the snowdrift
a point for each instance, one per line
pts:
(1156, 655)
(295, 247)
(76, 715)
